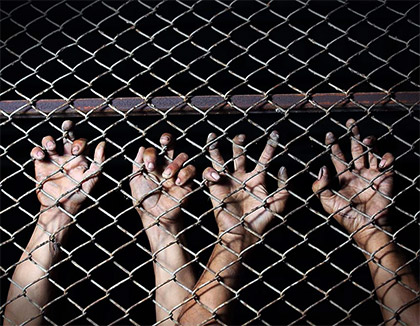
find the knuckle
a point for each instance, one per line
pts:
(191, 168)
(183, 156)
(182, 174)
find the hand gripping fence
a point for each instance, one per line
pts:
(127, 71)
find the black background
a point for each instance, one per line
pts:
(18, 136)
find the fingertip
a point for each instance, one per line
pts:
(322, 180)
(150, 166)
(78, 146)
(386, 161)
(329, 138)
(215, 176)
(369, 140)
(100, 152)
(211, 174)
(67, 125)
(350, 122)
(274, 135)
(37, 153)
(322, 172)
(273, 139)
(165, 139)
(149, 157)
(282, 174)
(48, 143)
(210, 138)
(239, 139)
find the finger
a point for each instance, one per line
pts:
(149, 158)
(68, 128)
(238, 153)
(37, 153)
(320, 186)
(282, 177)
(370, 142)
(211, 175)
(92, 173)
(174, 167)
(386, 162)
(78, 146)
(48, 143)
(268, 151)
(139, 159)
(337, 156)
(185, 175)
(356, 147)
(216, 158)
(166, 140)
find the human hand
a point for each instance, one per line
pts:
(240, 199)
(162, 187)
(67, 178)
(365, 191)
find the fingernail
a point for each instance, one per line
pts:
(321, 173)
(166, 173)
(150, 166)
(39, 154)
(215, 176)
(50, 145)
(330, 135)
(241, 138)
(281, 171)
(178, 181)
(75, 150)
(274, 135)
(166, 138)
(211, 136)
(382, 163)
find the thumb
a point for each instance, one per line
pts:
(320, 186)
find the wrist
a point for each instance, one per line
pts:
(237, 241)
(52, 220)
(371, 239)
(159, 231)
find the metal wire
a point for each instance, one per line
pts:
(128, 71)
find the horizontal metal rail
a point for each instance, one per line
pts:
(211, 104)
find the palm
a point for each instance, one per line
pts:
(247, 203)
(367, 199)
(365, 191)
(63, 186)
(161, 197)
(241, 199)
(160, 201)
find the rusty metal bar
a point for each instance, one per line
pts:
(199, 104)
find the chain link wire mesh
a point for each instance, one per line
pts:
(125, 72)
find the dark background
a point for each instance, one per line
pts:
(389, 62)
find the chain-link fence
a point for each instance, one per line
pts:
(126, 72)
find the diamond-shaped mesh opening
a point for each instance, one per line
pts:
(258, 247)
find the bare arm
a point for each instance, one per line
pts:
(243, 208)
(30, 289)
(363, 210)
(396, 285)
(161, 215)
